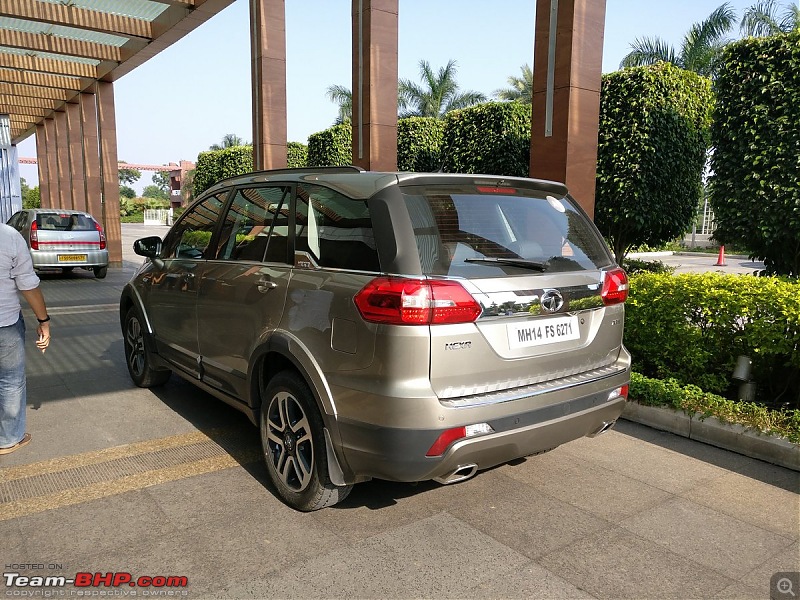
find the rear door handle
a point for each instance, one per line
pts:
(265, 285)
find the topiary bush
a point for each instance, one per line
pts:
(419, 144)
(332, 147)
(296, 155)
(691, 327)
(215, 165)
(651, 152)
(492, 138)
(755, 186)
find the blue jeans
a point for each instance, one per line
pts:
(12, 383)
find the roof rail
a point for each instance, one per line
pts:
(289, 170)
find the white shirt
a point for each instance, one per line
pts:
(16, 273)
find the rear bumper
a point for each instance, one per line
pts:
(65, 258)
(399, 454)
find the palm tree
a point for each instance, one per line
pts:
(521, 89)
(699, 51)
(438, 94)
(228, 141)
(762, 19)
(344, 98)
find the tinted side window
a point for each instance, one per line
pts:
(334, 229)
(192, 234)
(256, 224)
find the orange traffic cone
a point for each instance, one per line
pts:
(721, 258)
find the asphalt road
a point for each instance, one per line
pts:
(169, 482)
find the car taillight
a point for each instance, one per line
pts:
(34, 237)
(399, 301)
(615, 287)
(102, 235)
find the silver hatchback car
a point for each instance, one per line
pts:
(402, 326)
(65, 239)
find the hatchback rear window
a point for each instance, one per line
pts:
(492, 232)
(64, 222)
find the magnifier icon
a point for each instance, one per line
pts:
(784, 586)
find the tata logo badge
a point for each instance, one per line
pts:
(552, 301)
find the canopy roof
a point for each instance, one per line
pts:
(51, 50)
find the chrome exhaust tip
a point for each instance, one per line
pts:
(602, 429)
(461, 473)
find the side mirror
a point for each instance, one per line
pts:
(149, 247)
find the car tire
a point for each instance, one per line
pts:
(100, 272)
(137, 353)
(294, 445)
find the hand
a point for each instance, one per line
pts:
(43, 341)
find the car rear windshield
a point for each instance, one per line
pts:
(64, 222)
(485, 231)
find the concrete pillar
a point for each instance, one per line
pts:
(41, 162)
(64, 199)
(375, 84)
(268, 64)
(109, 171)
(76, 163)
(51, 201)
(91, 154)
(567, 66)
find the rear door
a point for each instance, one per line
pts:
(535, 263)
(243, 288)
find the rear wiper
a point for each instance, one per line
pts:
(517, 262)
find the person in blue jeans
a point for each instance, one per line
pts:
(16, 274)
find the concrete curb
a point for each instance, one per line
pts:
(714, 432)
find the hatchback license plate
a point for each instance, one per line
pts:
(543, 331)
(70, 258)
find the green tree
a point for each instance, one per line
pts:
(763, 19)
(128, 175)
(343, 97)
(30, 196)
(127, 192)
(154, 191)
(699, 51)
(187, 186)
(437, 95)
(520, 88)
(229, 140)
(161, 179)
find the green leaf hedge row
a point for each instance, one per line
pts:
(693, 400)
(215, 165)
(332, 147)
(692, 327)
(652, 144)
(419, 144)
(296, 155)
(755, 186)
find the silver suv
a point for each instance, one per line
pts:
(404, 326)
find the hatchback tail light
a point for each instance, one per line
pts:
(102, 235)
(34, 236)
(615, 287)
(400, 301)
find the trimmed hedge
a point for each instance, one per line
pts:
(296, 155)
(419, 144)
(692, 400)
(492, 138)
(332, 147)
(755, 186)
(651, 153)
(691, 327)
(215, 165)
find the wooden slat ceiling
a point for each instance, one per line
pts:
(51, 50)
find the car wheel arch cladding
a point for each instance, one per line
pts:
(131, 298)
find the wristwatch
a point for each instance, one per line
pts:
(45, 320)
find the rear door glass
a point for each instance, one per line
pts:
(462, 232)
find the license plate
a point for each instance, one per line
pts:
(542, 332)
(70, 258)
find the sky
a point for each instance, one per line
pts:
(193, 93)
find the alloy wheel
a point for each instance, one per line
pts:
(289, 448)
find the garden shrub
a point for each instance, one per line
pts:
(492, 138)
(651, 152)
(296, 155)
(332, 147)
(755, 186)
(216, 165)
(691, 327)
(419, 144)
(636, 265)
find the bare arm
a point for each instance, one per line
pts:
(35, 299)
